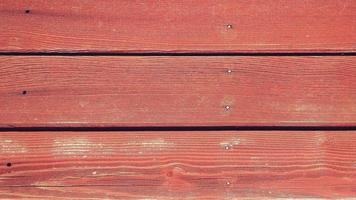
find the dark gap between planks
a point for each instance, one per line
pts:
(171, 54)
(183, 128)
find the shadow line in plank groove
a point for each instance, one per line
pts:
(183, 128)
(172, 54)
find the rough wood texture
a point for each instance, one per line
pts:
(178, 165)
(178, 26)
(177, 91)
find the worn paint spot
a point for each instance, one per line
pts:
(8, 146)
(82, 147)
(230, 144)
(43, 185)
(321, 139)
(103, 173)
(82, 104)
(148, 199)
(149, 146)
(307, 108)
(227, 104)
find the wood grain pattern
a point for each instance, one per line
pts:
(177, 91)
(178, 26)
(178, 165)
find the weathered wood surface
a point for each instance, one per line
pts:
(177, 91)
(178, 165)
(178, 26)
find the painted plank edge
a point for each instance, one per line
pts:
(40, 91)
(200, 26)
(178, 165)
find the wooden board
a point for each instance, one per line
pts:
(207, 26)
(177, 91)
(178, 165)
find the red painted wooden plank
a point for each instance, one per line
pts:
(178, 165)
(177, 91)
(178, 26)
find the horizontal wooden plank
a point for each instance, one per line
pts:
(178, 26)
(178, 165)
(177, 91)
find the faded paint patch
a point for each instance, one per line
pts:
(292, 198)
(81, 146)
(149, 146)
(230, 144)
(302, 107)
(320, 139)
(103, 173)
(82, 104)
(227, 105)
(8, 146)
(149, 199)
